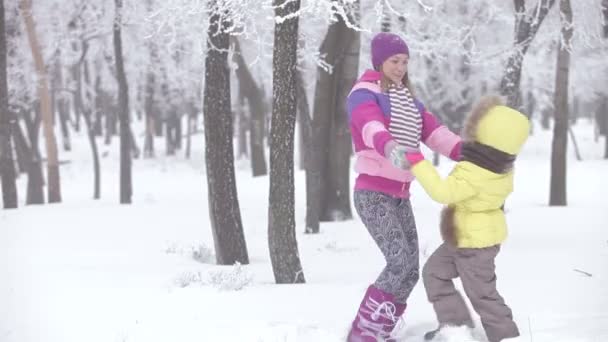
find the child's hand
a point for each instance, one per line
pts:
(414, 158)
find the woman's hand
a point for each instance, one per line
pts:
(398, 155)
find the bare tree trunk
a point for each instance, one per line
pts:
(63, 111)
(80, 106)
(21, 146)
(255, 98)
(178, 128)
(242, 127)
(150, 116)
(526, 26)
(224, 211)
(59, 103)
(304, 122)
(282, 241)
(601, 119)
(126, 184)
(321, 124)
(560, 129)
(108, 105)
(605, 97)
(54, 186)
(575, 144)
(35, 178)
(331, 137)
(170, 131)
(135, 151)
(605, 14)
(385, 24)
(545, 122)
(192, 114)
(7, 164)
(337, 193)
(149, 103)
(98, 107)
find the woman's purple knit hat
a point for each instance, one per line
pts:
(385, 45)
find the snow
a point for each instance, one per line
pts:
(87, 270)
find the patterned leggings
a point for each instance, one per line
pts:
(391, 223)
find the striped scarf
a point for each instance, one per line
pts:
(406, 122)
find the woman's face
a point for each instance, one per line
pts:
(395, 67)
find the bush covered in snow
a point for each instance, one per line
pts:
(233, 279)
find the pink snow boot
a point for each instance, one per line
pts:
(378, 314)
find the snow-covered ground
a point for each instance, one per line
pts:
(87, 270)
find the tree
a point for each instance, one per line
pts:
(526, 25)
(54, 188)
(560, 129)
(281, 222)
(7, 164)
(336, 200)
(385, 22)
(255, 98)
(150, 102)
(603, 111)
(224, 211)
(126, 185)
(331, 145)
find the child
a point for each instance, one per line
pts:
(473, 224)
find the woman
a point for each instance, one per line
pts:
(386, 121)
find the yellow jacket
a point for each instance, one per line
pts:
(476, 194)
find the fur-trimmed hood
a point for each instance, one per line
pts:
(494, 124)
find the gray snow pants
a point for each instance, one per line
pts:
(476, 269)
(391, 223)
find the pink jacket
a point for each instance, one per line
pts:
(369, 117)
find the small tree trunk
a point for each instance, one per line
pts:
(192, 113)
(545, 122)
(59, 103)
(281, 212)
(35, 178)
(135, 151)
(126, 184)
(605, 97)
(576, 149)
(80, 106)
(436, 158)
(560, 129)
(54, 188)
(98, 108)
(177, 136)
(63, 110)
(149, 108)
(170, 133)
(304, 122)
(110, 112)
(21, 146)
(385, 24)
(243, 124)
